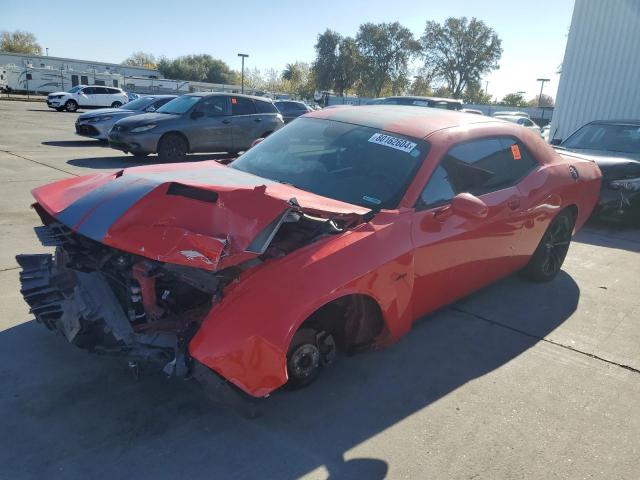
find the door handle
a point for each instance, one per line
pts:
(226, 120)
(257, 119)
(514, 204)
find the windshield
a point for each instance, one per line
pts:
(74, 89)
(179, 105)
(606, 136)
(351, 163)
(139, 104)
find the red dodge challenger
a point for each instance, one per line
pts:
(333, 234)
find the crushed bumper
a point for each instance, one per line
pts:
(82, 307)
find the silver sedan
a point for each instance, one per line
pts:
(96, 124)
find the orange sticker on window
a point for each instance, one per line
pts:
(515, 151)
(234, 100)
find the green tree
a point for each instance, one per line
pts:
(293, 73)
(474, 94)
(324, 66)
(198, 68)
(348, 66)
(421, 86)
(514, 100)
(543, 101)
(19, 41)
(140, 59)
(460, 51)
(386, 49)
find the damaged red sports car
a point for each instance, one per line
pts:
(333, 234)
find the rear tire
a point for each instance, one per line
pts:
(546, 261)
(172, 148)
(71, 106)
(116, 104)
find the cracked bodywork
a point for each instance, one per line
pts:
(211, 269)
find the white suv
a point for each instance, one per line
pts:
(83, 96)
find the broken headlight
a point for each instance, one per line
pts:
(628, 184)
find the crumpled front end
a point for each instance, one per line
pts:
(142, 258)
(110, 302)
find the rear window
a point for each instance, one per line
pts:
(265, 107)
(609, 137)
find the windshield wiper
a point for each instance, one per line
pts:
(283, 182)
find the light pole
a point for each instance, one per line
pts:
(243, 55)
(47, 49)
(541, 80)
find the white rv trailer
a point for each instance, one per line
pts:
(47, 80)
(146, 85)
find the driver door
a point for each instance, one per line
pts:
(86, 97)
(208, 127)
(455, 254)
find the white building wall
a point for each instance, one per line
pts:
(601, 68)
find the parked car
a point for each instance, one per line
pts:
(615, 146)
(291, 109)
(544, 132)
(472, 110)
(97, 124)
(132, 96)
(433, 102)
(198, 122)
(510, 113)
(523, 121)
(82, 96)
(334, 233)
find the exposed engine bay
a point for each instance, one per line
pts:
(108, 301)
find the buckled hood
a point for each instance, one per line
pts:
(203, 214)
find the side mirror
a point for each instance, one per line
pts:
(555, 141)
(256, 142)
(150, 109)
(469, 206)
(197, 114)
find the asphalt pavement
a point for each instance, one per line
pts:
(516, 381)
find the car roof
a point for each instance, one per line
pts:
(618, 122)
(227, 94)
(417, 122)
(415, 97)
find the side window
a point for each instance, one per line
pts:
(265, 107)
(487, 165)
(161, 101)
(214, 106)
(242, 106)
(101, 91)
(438, 190)
(88, 91)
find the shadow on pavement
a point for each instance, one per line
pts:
(622, 236)
(77, 143)
(69, 414)
(131, 161)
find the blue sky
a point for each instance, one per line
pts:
(274, 33)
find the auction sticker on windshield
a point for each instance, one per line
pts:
(393, 142)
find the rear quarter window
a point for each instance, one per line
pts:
(265, 107)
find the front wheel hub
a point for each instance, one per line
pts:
(305, 360)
